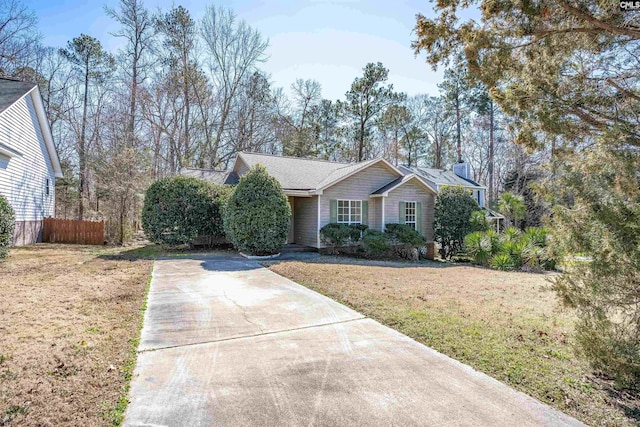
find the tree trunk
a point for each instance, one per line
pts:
(82, 156)
(491, 153)
(361, 141)
(459, 141)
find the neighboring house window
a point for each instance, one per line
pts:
(410, 214)
(46, 187)
(349, 211)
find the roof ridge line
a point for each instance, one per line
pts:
(296, 158)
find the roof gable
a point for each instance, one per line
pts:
(350, 170)
(11, 91)
(384, 191)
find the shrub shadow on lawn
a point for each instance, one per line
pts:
(154, 251)
(229, 265)
(348, 260)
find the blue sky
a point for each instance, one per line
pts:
(326, 40)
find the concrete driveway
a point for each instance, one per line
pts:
(227, 342)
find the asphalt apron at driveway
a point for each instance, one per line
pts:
(228, 342)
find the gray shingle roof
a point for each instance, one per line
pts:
(297, 173)
(444, 177)
(11, 91)
(213, 176)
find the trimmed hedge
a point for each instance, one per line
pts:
(338, 235)
(257, 215)
(178, 209)
(7, 226)
(397, 241)
(402, 234)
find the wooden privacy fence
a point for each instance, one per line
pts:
(73, 231)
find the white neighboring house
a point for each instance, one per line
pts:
(29, 164)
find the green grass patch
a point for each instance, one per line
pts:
(115, 415)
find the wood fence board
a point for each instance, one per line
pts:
(73, 231)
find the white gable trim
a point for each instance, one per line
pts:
(46, 131)
(384, 162)
(404, 180)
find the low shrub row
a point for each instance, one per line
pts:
(510, 250)
(397, 241)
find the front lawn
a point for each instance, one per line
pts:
(506, 324)
(70, 319)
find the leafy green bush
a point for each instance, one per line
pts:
(478, 246)
(257, 214)
(452, 219)
(337, 235)
(478, 221)
(404, 234)
(7, 226)
(375, 242)
(502, 261)
(178, 209)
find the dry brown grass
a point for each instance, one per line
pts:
(506, 324)
(69, 316)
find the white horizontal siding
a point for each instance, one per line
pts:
(22, 178)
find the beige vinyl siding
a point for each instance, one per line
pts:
(357, 187)
(375, 213)
(22, 178)
(305, 214)
(411, 192)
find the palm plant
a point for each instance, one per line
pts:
(478, 246)
(512, 207)
(537, 236)
(494, 240)
(511, 234)
(502, 261)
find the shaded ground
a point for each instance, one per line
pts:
(69, 326)
(508, 325)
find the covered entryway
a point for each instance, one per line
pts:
(290, 234)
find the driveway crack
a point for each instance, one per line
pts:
(244, 312)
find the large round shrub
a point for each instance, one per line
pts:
(7, 225)
(452, 219)
(257, 214)
(179, 209)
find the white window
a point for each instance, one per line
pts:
(350, 211)
(410, 214)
